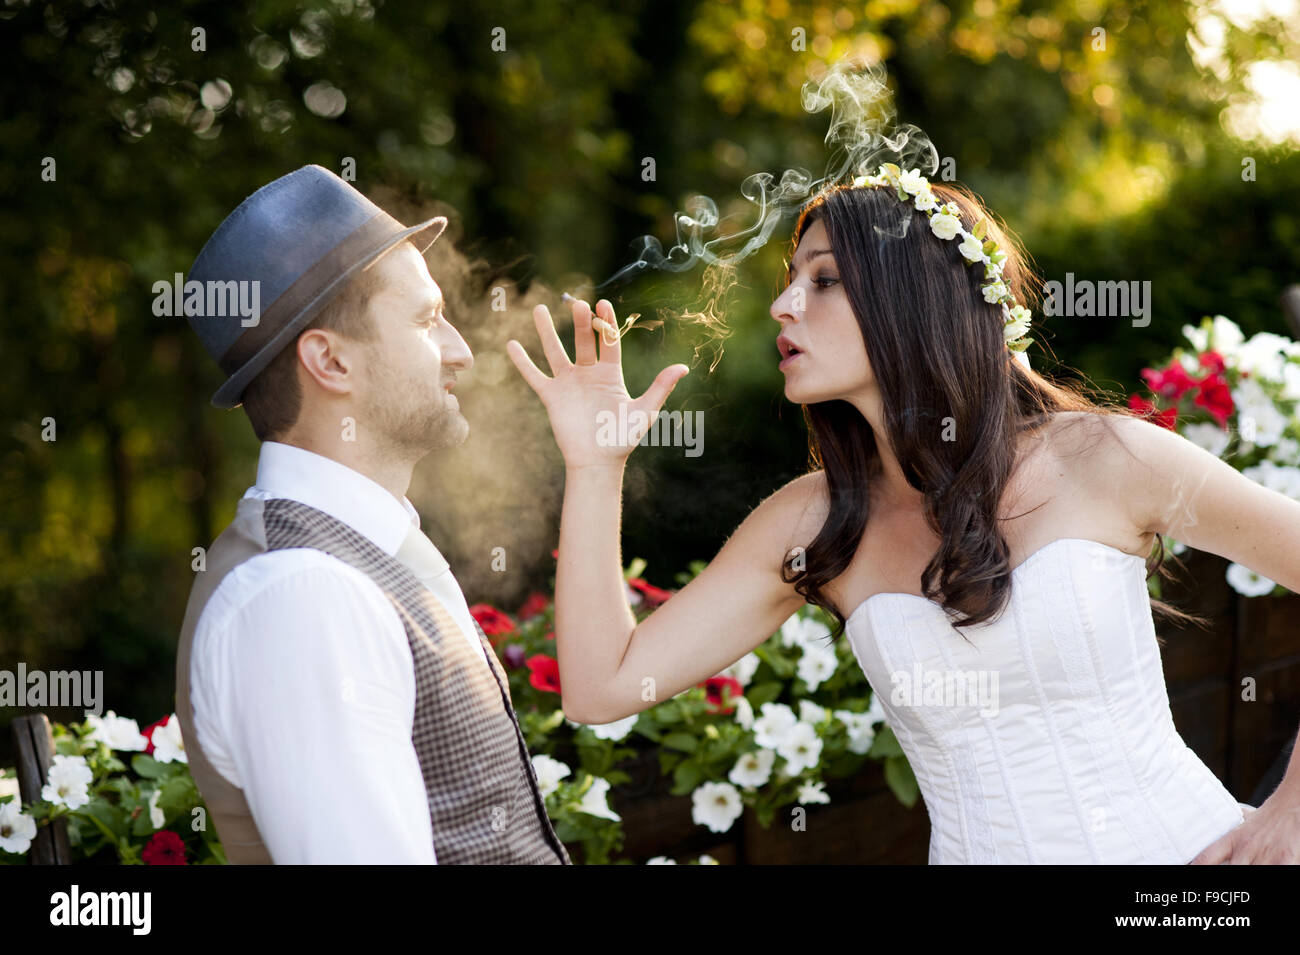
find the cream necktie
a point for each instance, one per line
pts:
(426, 562)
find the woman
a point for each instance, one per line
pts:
(965, 515)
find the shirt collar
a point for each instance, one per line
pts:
(285, 470)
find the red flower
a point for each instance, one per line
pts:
(550, 634)
(147, 733)
(1213, 361)
(1166, 418)
(535, 604)
(1171, 382)
(1216, 398)
(492, 620)
(545, 673)
(556, 553)
(165, 848)
(653, 595)
(716, 686)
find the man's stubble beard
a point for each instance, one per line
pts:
(411, 418)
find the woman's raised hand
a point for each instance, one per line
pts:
(594, 419)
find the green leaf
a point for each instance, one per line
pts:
(148, 767)
(885, 744)
(764, 693)
(980, 230)
(682, 742)
(892, 169)
(899, 776)
(686, 778)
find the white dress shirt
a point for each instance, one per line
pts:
(303, 684)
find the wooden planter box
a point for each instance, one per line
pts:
(1257, 637)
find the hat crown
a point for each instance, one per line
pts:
(300, 238)
(274, 236)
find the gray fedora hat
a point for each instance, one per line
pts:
(297, 242)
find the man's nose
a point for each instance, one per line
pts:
(457, 354)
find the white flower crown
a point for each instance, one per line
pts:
(912, 187)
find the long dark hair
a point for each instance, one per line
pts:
(936, 349)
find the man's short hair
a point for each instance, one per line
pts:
(273, 399)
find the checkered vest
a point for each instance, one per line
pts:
(483, 797)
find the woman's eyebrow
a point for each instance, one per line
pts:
(809, 258)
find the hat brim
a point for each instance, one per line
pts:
(228, 396)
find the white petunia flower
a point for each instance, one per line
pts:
(67, 783)
(944, 225)
(707, 859)
(753, 769)
(1253, 402)
(770, 728)
(168, 747)
(156, 817)
(744, 714)
(876, 710)
(17, 828)
(862, 731)
(1285, 452)
(971, 249)
(1205, 435)
(1198, 336)
(1248, 583)
(801, 748)
(803, 631)
(925, 201)
(118, 732)
(816, 666)
(549, 773)
(1291, 381)
(661, 860)
(615, 730)
(742, 671)
(810, 712)
(594, 802)
(716, 805)
(812, 793)
(8, 786)
(1263, 356)
(1226, 336)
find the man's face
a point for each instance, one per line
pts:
(407, 372)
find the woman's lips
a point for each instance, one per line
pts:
(785, 363)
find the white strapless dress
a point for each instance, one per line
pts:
(1069, 755)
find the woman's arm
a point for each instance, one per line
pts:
(610, 667)
(1177, 488)
(1172, 486)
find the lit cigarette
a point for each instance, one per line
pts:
(610, 333)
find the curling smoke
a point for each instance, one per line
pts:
(861, 135)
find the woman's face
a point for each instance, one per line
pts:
(816, 319)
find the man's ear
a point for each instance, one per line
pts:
(324, 357)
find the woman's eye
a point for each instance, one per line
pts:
(825, 281)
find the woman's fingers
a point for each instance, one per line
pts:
(584, 346)
(551, 344)
(531, 373)
(606, 326)
(660, 388)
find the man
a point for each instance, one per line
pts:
(337, 700)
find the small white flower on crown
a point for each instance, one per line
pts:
(945, 223)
